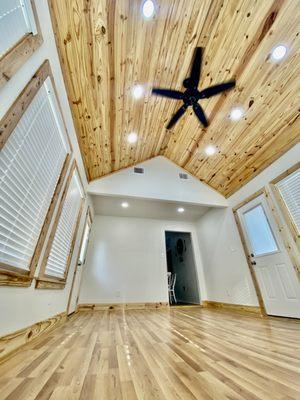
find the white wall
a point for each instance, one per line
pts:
(160, 181)
(226, 270)
(20, 307)
(126, 260)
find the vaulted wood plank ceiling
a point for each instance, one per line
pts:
(106, 47)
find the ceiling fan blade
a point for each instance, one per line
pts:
(196, 68)
(176, 116)
(200, 114)
(173, 94)
(216, 89)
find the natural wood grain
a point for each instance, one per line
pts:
(11, 61)
(87, 221)
(246, 251)
(15, 112)
(232, 307)
(167, 354)
(106, 47)
(12, 276)
(280, 201)
(282, 230)
(50, 282)
(13, 342)
(121, 306)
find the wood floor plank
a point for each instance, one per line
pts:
(192, 354)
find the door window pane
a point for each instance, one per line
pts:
(259, 231)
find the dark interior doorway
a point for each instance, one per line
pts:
(181, 268)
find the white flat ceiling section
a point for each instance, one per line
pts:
(160, 181)
(141, 208)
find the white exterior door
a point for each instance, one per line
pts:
(279, 282)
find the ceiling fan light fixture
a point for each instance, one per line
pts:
(137, 91)
(236, 113)
(132, 137)
(148, 9)
(279, 52)
(210, 150)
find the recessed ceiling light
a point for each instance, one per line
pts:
(180, 209)
(148, 9)
(210, 150)
(236, 113)
(132, 137)
(278, 52)
(137, 91)
(125, 204)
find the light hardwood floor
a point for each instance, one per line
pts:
(181, 353)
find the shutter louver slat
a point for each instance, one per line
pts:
(289, 189)
(30, 165)
(61, 245)
(14, 24)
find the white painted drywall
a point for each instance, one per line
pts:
(160, 181)
(126, 260)
(21, 307)
(226, 270)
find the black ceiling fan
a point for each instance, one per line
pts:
(192, 95)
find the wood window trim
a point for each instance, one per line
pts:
(45, 281)
(87, 220)
(15, 57)
(282, 206)
(9, 275)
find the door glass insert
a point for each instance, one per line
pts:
(259, 231)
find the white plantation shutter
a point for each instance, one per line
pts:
(61, 245)
(16, 20)
(289, 189)
(30, 165)
(84, 244)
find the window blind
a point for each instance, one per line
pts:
(85, 240)
(16, 20)
(61, 245)
(30, 165)
(289, 189)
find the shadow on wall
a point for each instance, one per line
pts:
(181, 261)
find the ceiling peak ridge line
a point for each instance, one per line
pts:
(261, 33)
(218, 5)
(112, 89)
(166, 105)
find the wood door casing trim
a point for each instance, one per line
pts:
(280, 230)
(87, 216)
(282, 206)
(50, 282)
(246, 252)
(15, 57)
(9, 275)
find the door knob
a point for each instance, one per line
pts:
(253, 262)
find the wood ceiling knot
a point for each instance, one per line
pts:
(238, 38)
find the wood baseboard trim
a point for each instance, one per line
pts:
(121, 306)
(232, 307)
(13, 342)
